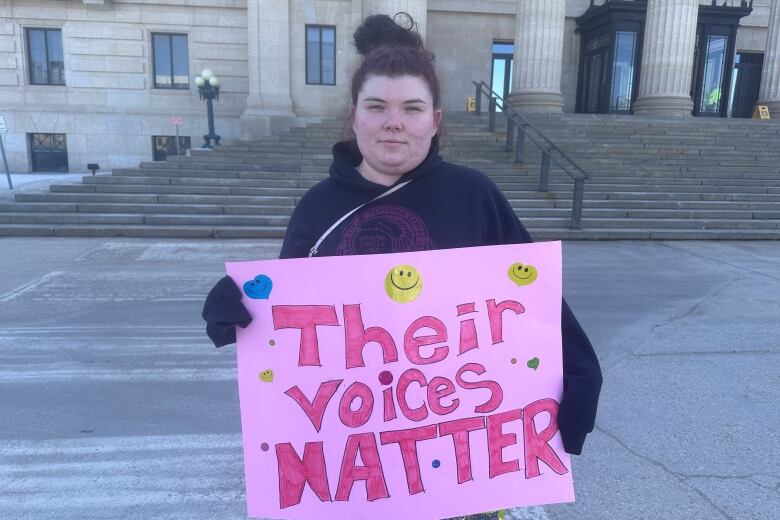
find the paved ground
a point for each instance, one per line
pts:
(113, 404)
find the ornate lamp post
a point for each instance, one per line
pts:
(208, 88)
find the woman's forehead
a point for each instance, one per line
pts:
(399, 88)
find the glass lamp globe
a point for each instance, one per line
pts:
(199, 81)
(206, 74)
(214, 81)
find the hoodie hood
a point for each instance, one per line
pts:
(347, 157)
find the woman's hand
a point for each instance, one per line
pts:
(223, 310)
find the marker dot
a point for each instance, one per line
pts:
(272, 343)
(513, 360)
(264, 446)
(435, 463)
(385, 377)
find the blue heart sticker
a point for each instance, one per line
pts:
(259, 288)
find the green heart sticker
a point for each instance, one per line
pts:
(533, 363)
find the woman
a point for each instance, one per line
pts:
(409, 199)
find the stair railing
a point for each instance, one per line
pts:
(550, 152)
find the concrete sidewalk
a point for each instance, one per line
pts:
(116, 406)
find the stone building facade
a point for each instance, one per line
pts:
(84, 81)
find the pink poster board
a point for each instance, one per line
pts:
(410, 385)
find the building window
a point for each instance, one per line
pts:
(171, 61)
(165, 145)
(44, 57)
(320, 55)
(49, 152)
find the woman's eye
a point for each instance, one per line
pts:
(375, 107)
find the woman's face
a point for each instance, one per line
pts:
(394, 121)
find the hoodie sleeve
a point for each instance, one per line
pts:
(297, 243)
(581, 370)
(298, 239)
(223, 311)
(581, 384)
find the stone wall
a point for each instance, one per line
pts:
(108, 108)
(312, 101)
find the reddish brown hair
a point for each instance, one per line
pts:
(391, 50)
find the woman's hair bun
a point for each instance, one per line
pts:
(380, 29)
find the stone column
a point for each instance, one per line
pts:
(418, 9)
(667, 58)
(269, 105)
(770, 77)
(536, 82)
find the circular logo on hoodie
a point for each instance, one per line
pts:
(384, 229)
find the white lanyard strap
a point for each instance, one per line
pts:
(315, 248)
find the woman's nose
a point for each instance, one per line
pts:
(393, 121)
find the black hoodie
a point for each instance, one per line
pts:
(445, 206)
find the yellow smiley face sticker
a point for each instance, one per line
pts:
(403, 283)
(522, 274)
(267, 376)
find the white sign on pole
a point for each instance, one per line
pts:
(3, 129)
(176, 120)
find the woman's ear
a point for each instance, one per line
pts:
(437, 119)
(351, 117)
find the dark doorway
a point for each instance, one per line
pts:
(501, 69)
(713, 81)
(594, 78)
(610, 52)
(713, 62)
(746, 83)
(49, 152)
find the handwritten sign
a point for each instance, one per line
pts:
(176, 120)
(411, 385)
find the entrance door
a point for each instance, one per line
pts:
(710, 95)
(501, 73)
(623, 71)
(49, 152)
(716, 34)
(746, 83)
(594, 93)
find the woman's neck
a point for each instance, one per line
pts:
(370, 174)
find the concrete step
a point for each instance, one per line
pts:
(197, 181)
(154, 199)
(223, 190)
(196, 209)
(510, 180)
(176, 189)
(653, 223)
(540, 234)
(670, 205)
(223, 174)
(674, 179)
(560, 231)
(149, 219)
(91, 230)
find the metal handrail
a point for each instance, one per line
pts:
(548, 148)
